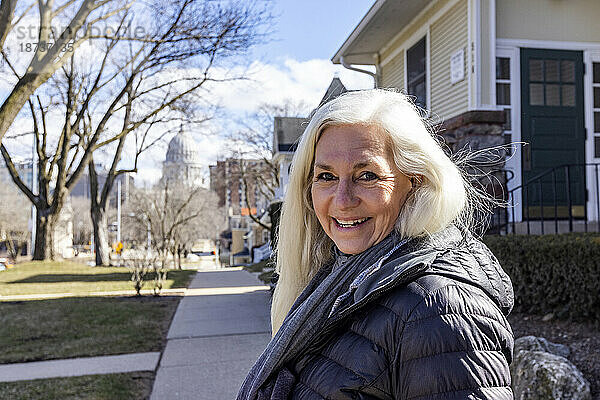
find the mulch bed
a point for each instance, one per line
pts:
(583, 338)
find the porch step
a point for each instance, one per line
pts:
(550, 227)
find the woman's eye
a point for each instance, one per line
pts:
(325, 176)
(368, 176)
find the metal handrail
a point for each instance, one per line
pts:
(538, 180)
(549, 171)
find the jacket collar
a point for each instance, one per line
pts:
(457, 255)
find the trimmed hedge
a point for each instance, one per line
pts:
(557, 274)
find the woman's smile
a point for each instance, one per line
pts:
(348, 223)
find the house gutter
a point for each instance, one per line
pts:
(363, 71)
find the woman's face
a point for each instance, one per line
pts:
(357, 190)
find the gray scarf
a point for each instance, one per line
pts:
(311, 314)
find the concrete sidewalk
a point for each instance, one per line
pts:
(79, 366)
(220, 328)
(115, 293)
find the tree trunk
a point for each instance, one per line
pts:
(179, 257)
(101, 246)
(44, 235)
(12, 247)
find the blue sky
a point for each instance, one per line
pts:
(308, 29)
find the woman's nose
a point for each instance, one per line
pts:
(345, 196)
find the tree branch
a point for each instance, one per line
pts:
(10, 166)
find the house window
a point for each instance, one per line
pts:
(416, 73)
(596, 95)
(503, 100)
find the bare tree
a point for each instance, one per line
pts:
(50, 49)
(60, 162)
(14, 218)
(253, 148)
(206, 226)
(139, 85)
(140, 263)
(177, 215)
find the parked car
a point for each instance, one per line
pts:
(205, 250)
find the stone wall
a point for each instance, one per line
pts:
(474, 129)
(469, 132)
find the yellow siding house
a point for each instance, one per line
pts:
(501, 71)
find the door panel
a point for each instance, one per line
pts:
(552, 123)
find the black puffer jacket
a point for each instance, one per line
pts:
(433, 329)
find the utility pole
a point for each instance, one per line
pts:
(119, 211)
(149, 237)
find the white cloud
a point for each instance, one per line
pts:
(296, 80)
(148, 176)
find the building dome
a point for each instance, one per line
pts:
(182, 163)
(182, 148)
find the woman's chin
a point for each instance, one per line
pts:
(352, 246)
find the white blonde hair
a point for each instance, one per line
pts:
(439, 199)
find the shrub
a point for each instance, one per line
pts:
(139, 263)
(557, 274)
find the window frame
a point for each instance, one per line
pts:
(508, 134)
(422, 76)
(595, 135)
(423, 32)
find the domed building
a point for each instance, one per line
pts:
(182, 163)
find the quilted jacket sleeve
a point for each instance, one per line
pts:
(454, 344)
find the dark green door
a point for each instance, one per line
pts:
(552, 122)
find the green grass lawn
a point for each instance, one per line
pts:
(259, 266)
(265, 267)
(136, 385)
(81, 326)
(45, 277)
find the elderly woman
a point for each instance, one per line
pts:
(383, 293)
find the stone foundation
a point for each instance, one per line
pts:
(473, 129)
(478, 130)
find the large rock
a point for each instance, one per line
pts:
(538, 375)
(534, 343)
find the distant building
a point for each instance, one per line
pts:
(239, 183)
(217, 181)
(335, 89)
(182, 163)
(240, 191)
(82, 187)
(63, 232)
(24, 168)
(286, 134)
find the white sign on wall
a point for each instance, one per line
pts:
(457, 66)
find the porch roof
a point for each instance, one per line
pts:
(381, 23)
